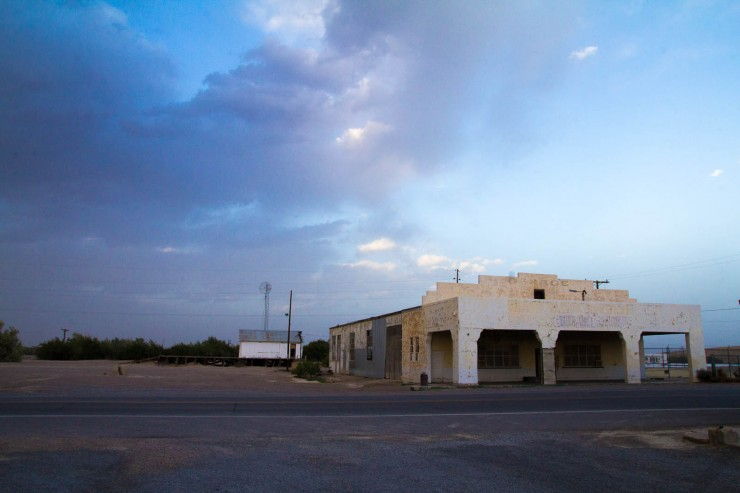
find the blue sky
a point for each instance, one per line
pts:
(158, 160)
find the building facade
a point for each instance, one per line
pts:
(532, 327)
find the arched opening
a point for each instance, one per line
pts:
(589, 355)
(508, 356)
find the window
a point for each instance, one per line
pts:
(583, 356)
(498, 356)
(539, 294)
(413, 349)
(352, 346)
(369, 336)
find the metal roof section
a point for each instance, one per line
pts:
(398, 312)
(270, 336)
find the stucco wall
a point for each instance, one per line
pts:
(412, 326)
(523, 286)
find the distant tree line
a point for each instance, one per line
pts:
(80, 347)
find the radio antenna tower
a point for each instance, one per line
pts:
(265, 289)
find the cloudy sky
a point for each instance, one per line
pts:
(159, 160)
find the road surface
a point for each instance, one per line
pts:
(565, 438)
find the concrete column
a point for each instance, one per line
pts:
(632, 363)
(643, 372)
(428, 366)
(465, 356)
(695, 352)
(548, 366)
(548, 339)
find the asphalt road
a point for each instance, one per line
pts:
(570, 438)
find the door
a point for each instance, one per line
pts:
(393, 353)
(538, 364)
(440, 373)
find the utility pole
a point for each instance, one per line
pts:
(457, 276)
(64, 337)
(600, 282)
(290, 316)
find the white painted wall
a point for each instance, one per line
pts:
(266, 350)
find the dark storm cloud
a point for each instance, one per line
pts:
(99, 165)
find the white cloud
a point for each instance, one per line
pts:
(474, 265)
(293, 21)
(353, 137)
(431, 261)
(477, 264)
(525, 263)
(716, 173)
(170, 250)
(584, 53)
(372, 265)
(379, 245)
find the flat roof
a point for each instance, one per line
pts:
(375, 317)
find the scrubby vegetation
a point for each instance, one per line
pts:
(310, 370)
(317, 350)
(719, 376)
(85, 347)
(80, 347)
(210, 347)
(11, 348)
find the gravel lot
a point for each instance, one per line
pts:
(38, 377)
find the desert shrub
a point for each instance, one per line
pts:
(720, 375)
(209, 347)
(317, 350)
(307, 369)
(85, 347)
(130, 348)
(80, 347)
(704, 375)
(11, 348)
(54, 349)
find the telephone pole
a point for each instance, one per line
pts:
(600, 282)
(64, 337)
(290, 316)
(457, 276)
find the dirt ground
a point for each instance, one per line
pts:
(39, 376)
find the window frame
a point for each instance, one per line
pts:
(582, 356)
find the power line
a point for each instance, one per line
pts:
(727, 259)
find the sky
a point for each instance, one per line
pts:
(159, 160)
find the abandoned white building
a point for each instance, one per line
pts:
(532, 327)
(269, 345)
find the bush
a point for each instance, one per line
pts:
(54, 349)
(210, 347)
(307, 369)
(11, 348)
(317, 350)
(706, 375)
(81, 346)
(85, 347)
